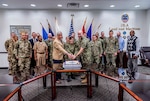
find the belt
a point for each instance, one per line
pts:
(57, 61)
(40, 52)
(23, 57)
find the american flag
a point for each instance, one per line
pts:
(71, 28)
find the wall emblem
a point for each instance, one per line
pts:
(125, 18)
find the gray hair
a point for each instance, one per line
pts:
(59, 32)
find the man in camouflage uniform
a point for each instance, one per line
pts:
(96, 48)
(23, 52)
(15, 64)
(49, 43)
(112, 45)
(9, 46)
(67, 42)
(84, 52)
(71, 48)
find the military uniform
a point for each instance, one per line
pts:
(33, 62)
(96, 49)
(9, 46)
(70, 48)
(23, 51)
(66, 47)
(40, 50)
(86, 54)
(111, 47)
(103, 58)
(49, 44)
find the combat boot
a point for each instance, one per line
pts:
(73, 76)
(10, 72)
(69, 78)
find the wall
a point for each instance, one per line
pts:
(148, 25)
(107, 19)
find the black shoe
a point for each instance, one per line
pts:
(133, 75)
(69, 78)
(72, 76)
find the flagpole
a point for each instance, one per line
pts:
(99, 26)
(41, 24)
(72, 15)
(85, 20)
(48, 22)
(56, 25)
(92, 20)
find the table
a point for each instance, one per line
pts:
(140, 86)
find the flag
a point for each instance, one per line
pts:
(89, 32)
(83, 27)
(56, 26)
(71, 28)
(44, 33)
(49, 29)
(97, 30)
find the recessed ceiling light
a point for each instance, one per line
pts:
(5, 4)
(33, 5)
(136, 6)
(59, 5)
(86, 5)
(112, 6)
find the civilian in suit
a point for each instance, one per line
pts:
(58, 53)
(33, 62)
(133, 48)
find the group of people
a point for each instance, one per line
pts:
(34, 56)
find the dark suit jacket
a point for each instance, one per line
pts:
(31, 41)
(33, 62)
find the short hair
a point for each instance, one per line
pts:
(70, 37)
(132, 31)
(111, 31)
(39, 36)
(59, 32)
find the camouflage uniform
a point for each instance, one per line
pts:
(111, 47)
(70, 48)
(86, 54)
(9, 46)
(96, 49)
(23, 51)
(103, 58)
(49, 44)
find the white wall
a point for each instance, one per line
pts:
(107, 19)
(148, 26)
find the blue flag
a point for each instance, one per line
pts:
(50, 30)
(89, 32)
(44, 33)
(71, 28)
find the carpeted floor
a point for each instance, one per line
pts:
(107, 90)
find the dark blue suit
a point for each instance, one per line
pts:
(33, 62)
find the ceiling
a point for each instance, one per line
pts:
(93, 4)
